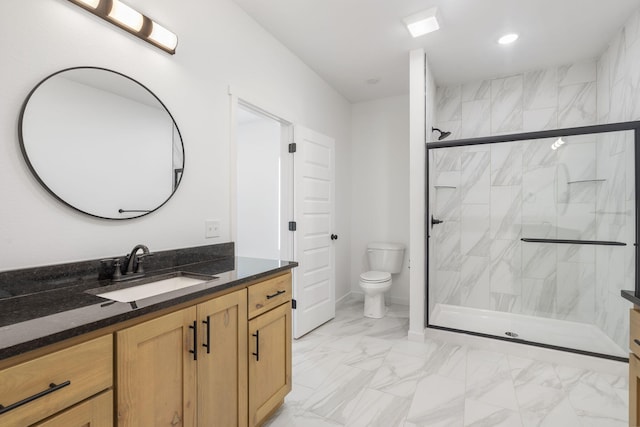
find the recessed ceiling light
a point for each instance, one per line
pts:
(508, 38)
(423, 22)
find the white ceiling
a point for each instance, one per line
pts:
(350, 41)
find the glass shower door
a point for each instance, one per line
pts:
(536, 239)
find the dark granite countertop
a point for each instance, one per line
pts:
(631, 296)
(64, 310)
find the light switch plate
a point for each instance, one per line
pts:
(211, 228)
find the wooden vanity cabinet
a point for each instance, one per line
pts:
(269, 347)
(634, 368)
(51, 384)
(239, 376)
(186, 368)
(634, 387)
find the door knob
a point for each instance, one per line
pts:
(334, 237)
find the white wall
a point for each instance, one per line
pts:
(380, 185)
(258, 153)
(219, 45)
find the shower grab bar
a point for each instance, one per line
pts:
(575, 242)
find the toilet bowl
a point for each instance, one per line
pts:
(384, 259)
(374, 284)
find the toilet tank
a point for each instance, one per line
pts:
(385, 256)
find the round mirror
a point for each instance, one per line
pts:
(101, 143)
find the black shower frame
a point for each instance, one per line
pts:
(555, 133)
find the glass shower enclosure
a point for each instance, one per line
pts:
(531, 237)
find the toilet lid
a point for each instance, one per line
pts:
(375, 276)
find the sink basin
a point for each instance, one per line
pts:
(152, 286)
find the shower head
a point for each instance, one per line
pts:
(443, 135)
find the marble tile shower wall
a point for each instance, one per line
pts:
(618, 88)
(537, 100)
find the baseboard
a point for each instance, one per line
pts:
(389, 299)
(416, 336)
(343, 297)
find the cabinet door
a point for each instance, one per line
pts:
(156, 372)
(222, 367)
(269, 362)
(634, 387)
(95, 412)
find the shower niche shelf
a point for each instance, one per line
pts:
(578, 181)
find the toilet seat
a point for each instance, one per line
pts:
(375, 277)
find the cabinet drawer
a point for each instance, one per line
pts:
(55, 381)
(634, 332)
(269, 294)
(95, 412)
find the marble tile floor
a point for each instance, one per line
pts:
(355, 371)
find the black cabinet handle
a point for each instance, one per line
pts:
(257, 353)
(276, 294)
(52, 387)
(435, 221)
(637, 341)
(334, 237)
(207, 345)
(195, 340)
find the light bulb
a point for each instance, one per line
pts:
(162, 36)
(126, 15)
(90, 3)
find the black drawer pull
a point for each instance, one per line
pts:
(257, 353)
(194, 326)
(207, 345)
(276, 294)
(52, 387)
(637, 341)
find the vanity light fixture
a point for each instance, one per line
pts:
(132, 21)
(422, 22)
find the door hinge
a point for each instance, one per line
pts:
(292, 226)
(293, 304)
(292, 147)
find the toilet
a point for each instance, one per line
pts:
(385, 259)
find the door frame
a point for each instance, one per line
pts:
(253, 103)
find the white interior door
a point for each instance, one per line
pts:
(314, 195)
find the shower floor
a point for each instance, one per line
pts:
(561, 333)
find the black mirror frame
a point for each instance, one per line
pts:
(177, 177)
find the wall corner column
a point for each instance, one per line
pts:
(417, 151)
